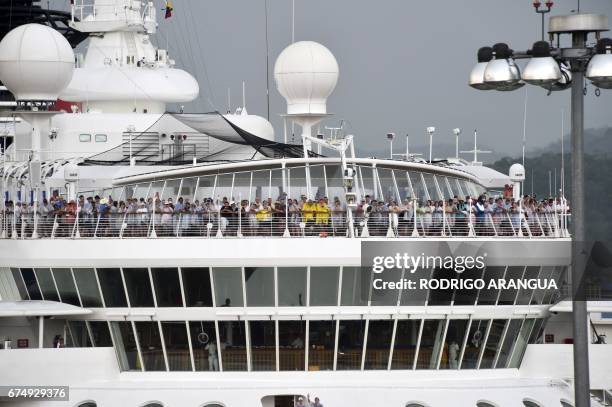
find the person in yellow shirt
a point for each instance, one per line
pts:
(322, 214)
(308, 211)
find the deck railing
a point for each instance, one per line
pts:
(214, 225)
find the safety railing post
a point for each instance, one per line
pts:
(97, 225)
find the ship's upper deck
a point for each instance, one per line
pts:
(281, 197)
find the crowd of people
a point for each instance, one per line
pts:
(106, 217)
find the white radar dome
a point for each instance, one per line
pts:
(36, 62)
(306, 73)
(517, 173)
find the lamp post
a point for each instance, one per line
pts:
(457, 132)
(556, 69)
(537, 4)
(390, 137)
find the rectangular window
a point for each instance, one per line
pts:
(324, 286)
(112, 287)
(350, 344)
(77, 335)
(378, 344)
(150, 345)
(263, 345)
(321, 341)
(204, 343)
(259, 286)
(100, 334)
(125, 345)
(88, 287)
(520, 345)
(292, 286)
(66, 287)
(474, 342)
(29, 278)
(431, 343)
(23, 292)
(138, 287)
(510, 338)
(228, 286)
(354, 292)
(101, 138)
(85, 138)
(406, 338)
(233, 345)
(493, 343)
(453, 343)
(167, 287)
(291, 336)
(177, 345)
(196, 282)
(47, 286)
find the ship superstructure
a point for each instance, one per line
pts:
(141, 270)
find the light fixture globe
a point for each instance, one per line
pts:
(36, 62)
(502, 73)
(485, 54)
(599, 70)
(306, 73)
(542, 69)
(566, 78)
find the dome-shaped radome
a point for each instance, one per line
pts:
(306, 73)
(517, 173)
(36, 62)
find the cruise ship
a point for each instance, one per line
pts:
(152, 258)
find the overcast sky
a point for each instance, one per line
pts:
(404, 64)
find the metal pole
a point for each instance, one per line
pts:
(580, 318)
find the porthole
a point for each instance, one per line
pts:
(415, 404)
(566, 403)
(101, 138)
(85, 138)
(87, 404)
(531, 403)
(484, 403)
(153, 404)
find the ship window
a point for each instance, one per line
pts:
(455, 334)
(85, 138)
(565, 403)
(87, 404)
(196, 283)
(418, 296)
(204, 343)
(297, 182)
(171, 190)
(177, 345)
(29, 279)
(509, 340)
(77, 335)
(413, 404)
(150, 345)
(23, 292)
(420, 193)
(138, 287)
(125, 345)
(259, 286)
(531, 403)
(379, 344)
(406, 337)
(483, 403)
(521, 343)
(154, 404)
(47, 286)
(488, 296)
(350, 344)
(468, 296)
(112, 287)
(355, 291)
(431, 344)
(66, 287)
(321, 341)
(508, 296)
(228, 286)
(167, 287)
(291, 337)
(188, 189)
(100, 333)
(232, 335)
(101, 138)
(324, 286)
(88, 287)
(205, 188)
(317, 182)
(292, 286)
(403, 184)
(432, 187)
(335, 184)
(263, 345)
(537, 331)
(473, 345)
(242, 182)
(261, 185)
(492, 344)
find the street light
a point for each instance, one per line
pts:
(457, 132)
(573, 63)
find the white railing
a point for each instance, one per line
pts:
(213, 224)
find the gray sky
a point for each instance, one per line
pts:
(404, 64)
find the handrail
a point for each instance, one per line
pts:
(214, 224)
